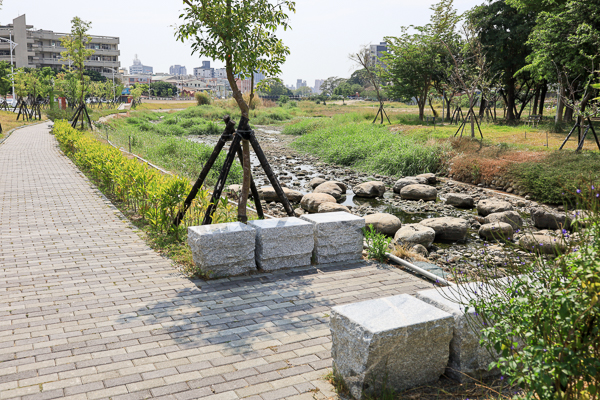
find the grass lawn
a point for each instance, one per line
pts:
(9, 121)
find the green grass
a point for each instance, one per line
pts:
(163, 146)
(370, 147)
(556, 179)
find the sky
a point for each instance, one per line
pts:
(324, 32)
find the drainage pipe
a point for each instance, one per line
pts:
(414, 268)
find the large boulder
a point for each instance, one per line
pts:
(448, 228)
(316, 182)
(268, 193)
(342, 186)
(384, 223)
(331, 207)
(490, 206)
(496, 231)
(419, 192)
(429, 177)
(409, 180)
(508, 217)
(398, 342)
(311, 202)
(544, 244)
(330, 188)
(369, 189)
(545, 218)
(412, 234)
(460, 200)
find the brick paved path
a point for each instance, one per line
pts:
(88, 311)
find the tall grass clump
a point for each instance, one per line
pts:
(373, 148)
(305, 126)
(202, 99)
(555, 178)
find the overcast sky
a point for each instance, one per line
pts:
(323, 32)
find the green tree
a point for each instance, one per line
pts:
(76, 54)
(242, 34)
(504, 32)
(412, 64)
(95, 76)
(5, 79)
(161, 89)
(368, 75)
(274, 87)
(329, 85)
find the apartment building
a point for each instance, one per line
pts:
(177, 70)
(377, 52)
(41, 48)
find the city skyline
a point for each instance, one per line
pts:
(319, 44)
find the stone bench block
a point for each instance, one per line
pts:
(467, 357)
(283, 243)
(222, 250)
(400, 338)
(337, 236)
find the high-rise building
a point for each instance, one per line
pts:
(139, 69)
(177, 70)
(300, 83)
(41, 48)
(378, 51)
(318, 83)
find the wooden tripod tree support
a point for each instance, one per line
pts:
(464, 123)
(235, 149)
(82, 113)
(381, 112)
(581, 139)
(456, 115)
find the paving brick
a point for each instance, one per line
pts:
(89, 311)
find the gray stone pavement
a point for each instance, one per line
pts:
(88, 311)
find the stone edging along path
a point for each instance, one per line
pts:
(89, 311)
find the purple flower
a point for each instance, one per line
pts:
(578, 191)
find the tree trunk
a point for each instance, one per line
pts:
(245, 109)
(472, 112)
(482, 106)
(510, 100)
(536, 98)
(560, 104)
(568, 118)
(421, 105)
(448, 101)
(543, 97)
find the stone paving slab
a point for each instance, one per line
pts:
(89, 311)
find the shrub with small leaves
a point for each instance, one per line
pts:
(377, 243)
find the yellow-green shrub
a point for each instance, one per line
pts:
(144, 190)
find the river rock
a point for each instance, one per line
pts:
(369, 189)
(419, 192)
(234, 188)
(448, 228)
(459, 200)
(330, 188)
(544, 244)
(490, 206)
(311, 202)
(508, 217)
(412, 234)
(429, 177)
(331, 207)
(420, 249)
(384, 223)
(342, 186)
(316, 182)
(409, 180)
(268, 193)
(544, 218)
(496, 231)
